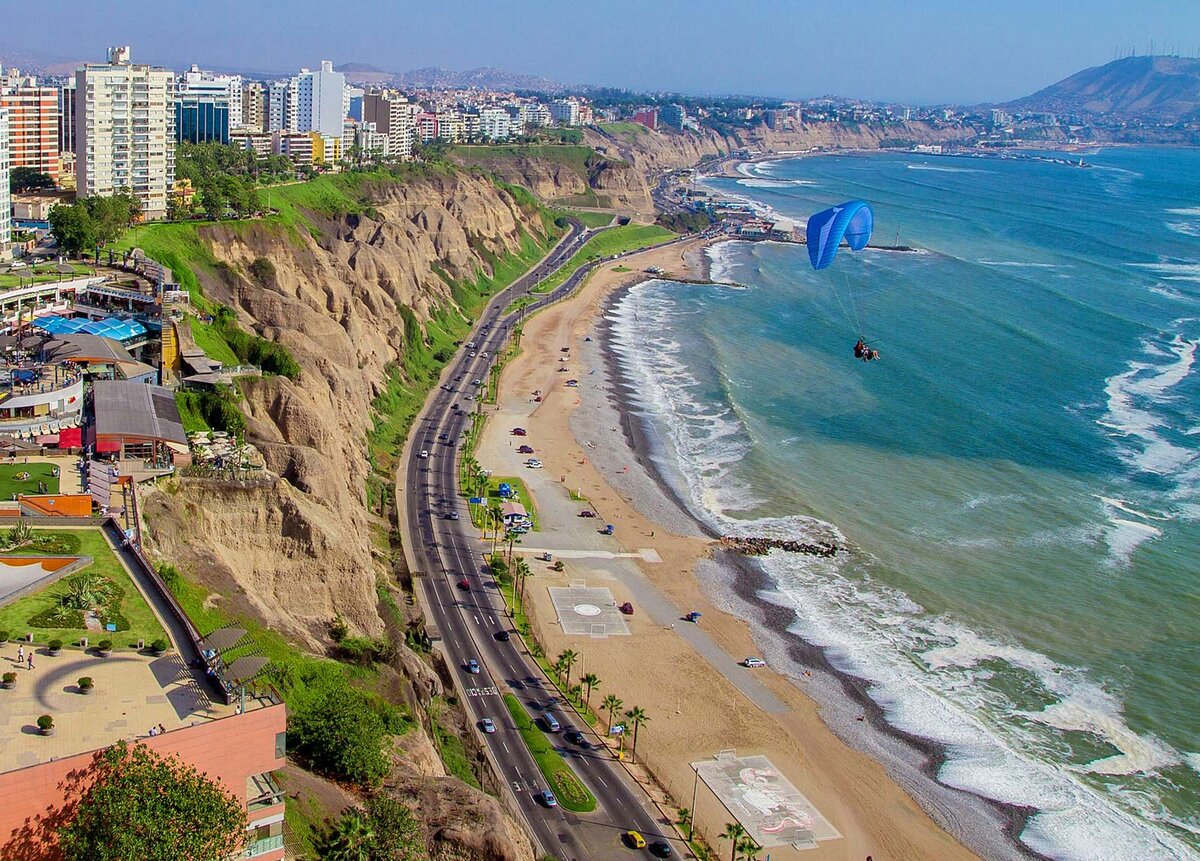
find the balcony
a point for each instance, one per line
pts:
(264, 845)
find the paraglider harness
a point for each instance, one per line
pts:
(862, 351)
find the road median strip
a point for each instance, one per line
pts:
(567, 787)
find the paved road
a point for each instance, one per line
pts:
(443, 551)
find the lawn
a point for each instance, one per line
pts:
(618, 240)
(141, 622)
(588, 219)
(209, 340)
(626, 130)
(494, 498)
(571, 793)
(10, 485)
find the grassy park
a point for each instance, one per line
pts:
(126, 608)
(10, 485)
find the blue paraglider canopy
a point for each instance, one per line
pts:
(851, 221)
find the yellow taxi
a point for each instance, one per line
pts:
(636, 840)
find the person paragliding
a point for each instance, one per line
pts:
(850, 222)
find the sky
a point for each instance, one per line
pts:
(915, 51)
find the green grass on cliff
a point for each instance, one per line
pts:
(618, 240)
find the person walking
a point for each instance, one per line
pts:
(20, 654)
(29, 660)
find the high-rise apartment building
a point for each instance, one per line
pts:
(5, 200)
(318, 101)
(66, 116)
(32, 126)
(276, 99)
(201, 118)
(392, 115)
(254, 107)
(213, 88)
(125, 131)
(564, 112)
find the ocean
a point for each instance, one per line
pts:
(1017, 479)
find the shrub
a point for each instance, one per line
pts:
(86, 682)
(104, 645)
(263, 271)
(55, 644)
(338, 629)
(366, 650)
(3, 636)
(340, 733)
(9, 678)
(159, 645)
(45, 722)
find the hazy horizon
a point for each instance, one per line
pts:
(937, 52)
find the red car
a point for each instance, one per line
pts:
(518, 431)
(525, 449)
(587, 513)
(463, 584)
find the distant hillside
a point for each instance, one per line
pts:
(1158, 88)
(485, 77)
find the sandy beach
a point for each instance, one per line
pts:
(686, 676)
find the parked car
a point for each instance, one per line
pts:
(547, 798)
(754, 662)
(533, 463)
(519, 432)
(608, 529)
(661, 849)
(473, 667)
(626, 608)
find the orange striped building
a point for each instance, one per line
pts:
(32, 126)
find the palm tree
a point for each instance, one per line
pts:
(496, 520)
(749, 849)
(685, 820)
(522, 571)
(612, 703)
(590, 680)
(637, 716)
(569, 657)
(733, 832)
(350, 839)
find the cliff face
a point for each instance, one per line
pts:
(298, 550)
(616, 184)
(669, 149)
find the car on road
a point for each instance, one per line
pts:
(587, 513)
(547, 798)
(453, 515)
(533, 463)
(487, 725)
(443, 436)
(519, 432)
(551, 722)
(661, 849)
(576, 738)
(525, 449)
(572, 384)
(458, 379)
(754, 662)
(484, 354)
(502, 636)
(464, 584)
(424, 454)
(635, 840)
(472, 667)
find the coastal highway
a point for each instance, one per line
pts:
(444, 551)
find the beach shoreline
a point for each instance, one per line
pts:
(593, 443)
(733, 582)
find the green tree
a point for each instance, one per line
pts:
(733, 832)
(569, 657)
(382, 829)
(749, 849)
(684, 821)
(590, 680)
(636, 716)
(73, 227)
(612, 704)
(340, 733)
(153, 808)
(22, 179)
(210, 200)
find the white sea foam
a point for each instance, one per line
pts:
(1173, 271)
(1018, 264)
(720, 261)
(1185, 228)
(931, 675)
(1186, 210)
(774, 183)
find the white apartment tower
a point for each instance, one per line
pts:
(125, 131)
(5, 199)
(317, 101)
(210, 87)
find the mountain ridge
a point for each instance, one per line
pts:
(1162, 88)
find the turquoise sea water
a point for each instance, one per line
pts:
(1019, 476)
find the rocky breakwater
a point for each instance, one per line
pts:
(750, 545)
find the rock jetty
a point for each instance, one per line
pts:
(759, 546)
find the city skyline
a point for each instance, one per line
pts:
(935, 53)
